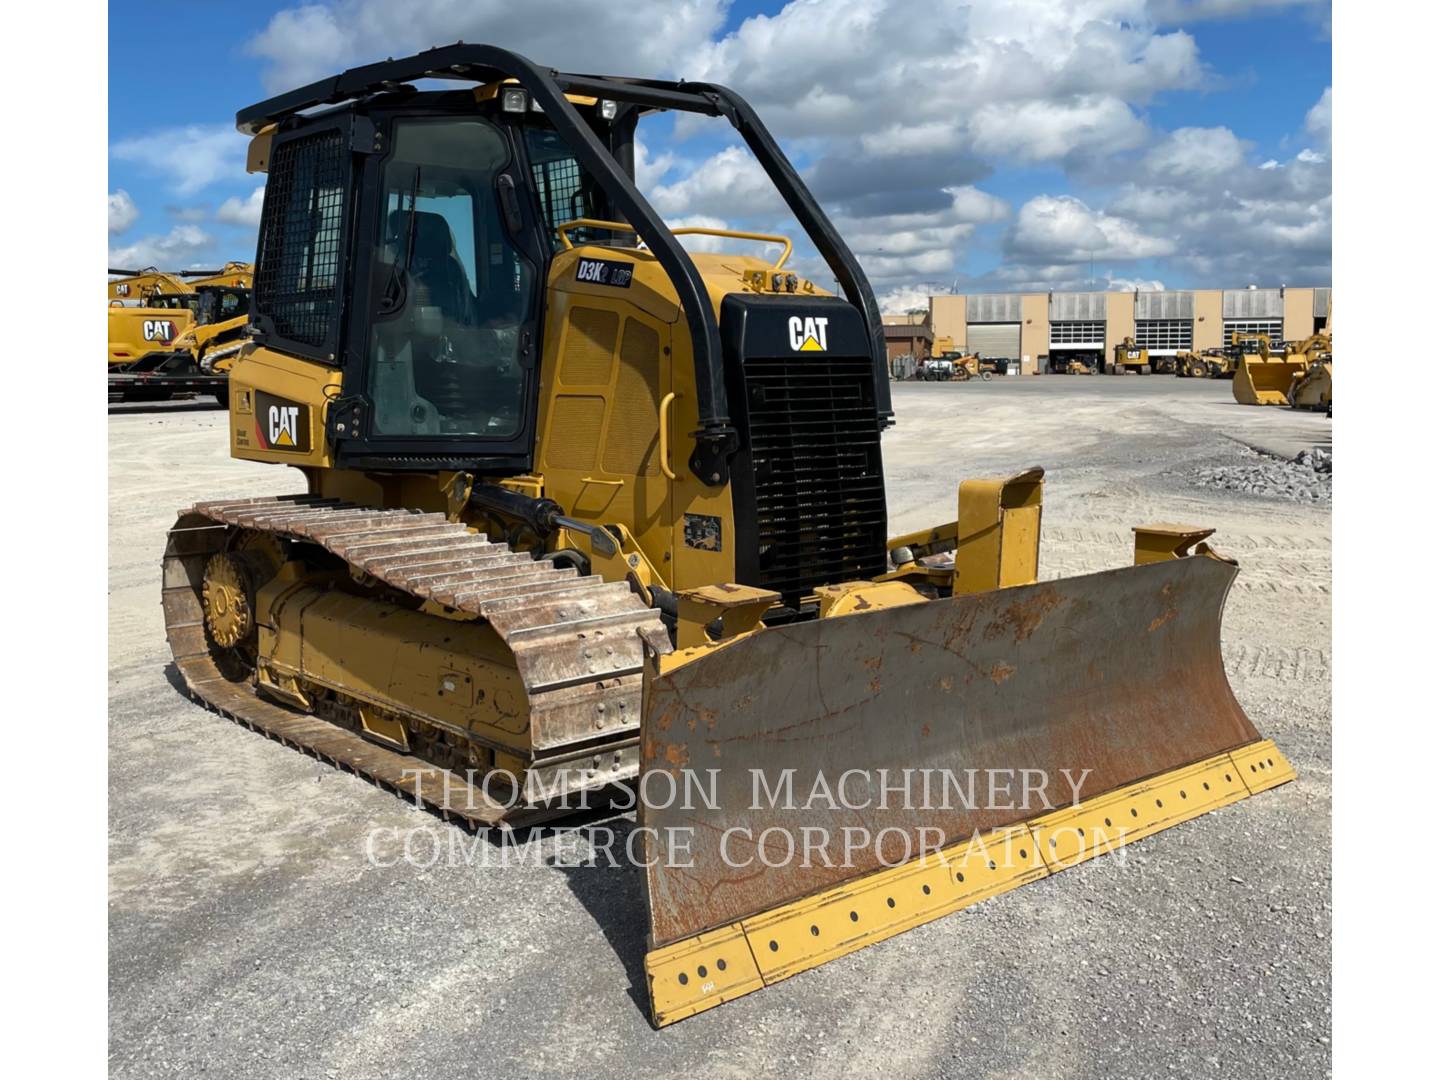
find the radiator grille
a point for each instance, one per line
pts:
(297, 271)
(818, 483)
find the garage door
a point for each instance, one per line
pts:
(1077, 335)
(1274, 329)
(1165, 337)
(994, 339)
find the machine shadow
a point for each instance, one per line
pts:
(132, 408)
(610, 887)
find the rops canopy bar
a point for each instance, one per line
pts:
(716, 439)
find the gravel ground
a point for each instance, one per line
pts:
(250, 936)
(1306, 478)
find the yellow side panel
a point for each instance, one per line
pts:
(589, 347)
(632, 439)
(459, 673)
(260, 375)
(574, 436)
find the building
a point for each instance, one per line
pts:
(905, 335)
(1045, 330)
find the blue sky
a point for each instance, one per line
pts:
(989, 145)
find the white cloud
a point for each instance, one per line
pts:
(651, 167)
(898, 117)
(1318, 119)
(246, 211)
(176, 250)
(869, 67)
(729, 184)
(1047, 130)
(1062, 229)
(1190, 153)
(123, 211)
(637, 37)
(906, 298)
(1125, 284)
(187, 159)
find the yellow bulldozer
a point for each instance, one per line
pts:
(589, 515)
(1127, 356)
(1263, 376)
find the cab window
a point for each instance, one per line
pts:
(452, 290)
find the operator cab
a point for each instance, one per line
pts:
(454, 222)
(220, 303)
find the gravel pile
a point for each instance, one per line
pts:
(1305, 479)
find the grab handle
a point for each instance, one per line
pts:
(665, 403)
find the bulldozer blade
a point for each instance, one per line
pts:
(813, 788)
(1264, 382)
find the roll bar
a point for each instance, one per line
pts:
(717, 439)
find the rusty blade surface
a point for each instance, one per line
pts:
(1097, 681)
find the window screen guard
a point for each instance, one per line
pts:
(300, 266)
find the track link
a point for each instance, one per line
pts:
(578, 641)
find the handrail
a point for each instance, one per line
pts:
(768, 238)
(564, 228)
(591, 223)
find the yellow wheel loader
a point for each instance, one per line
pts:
(1311, 388)
(588, 515)
(1262, 377)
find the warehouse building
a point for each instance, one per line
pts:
(908, 335)
(1045, 331)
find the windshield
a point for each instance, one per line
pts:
(453, 289)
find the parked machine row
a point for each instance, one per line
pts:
(173, 333)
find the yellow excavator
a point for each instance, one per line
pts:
(150, 311)
(588, 515)
(197, 359)
(147, 312)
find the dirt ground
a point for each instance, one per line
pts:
(251, 936)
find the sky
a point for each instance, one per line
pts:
(987, 146)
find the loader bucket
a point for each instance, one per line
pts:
(814, 788)
(1264, 382)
